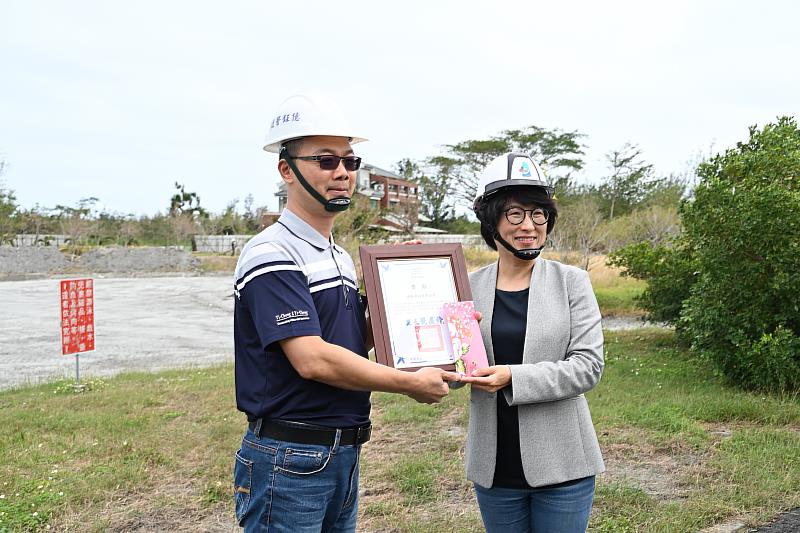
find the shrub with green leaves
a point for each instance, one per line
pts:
(743, 228)
(669, 272)
(731, 281)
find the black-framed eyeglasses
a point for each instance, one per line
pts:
(515, 215)
(331, 162)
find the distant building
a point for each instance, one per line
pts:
(384, 189)
(268, 218)
(395, 191)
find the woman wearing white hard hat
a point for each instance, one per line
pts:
(531, 451)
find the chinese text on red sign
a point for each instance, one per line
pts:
(77, 315)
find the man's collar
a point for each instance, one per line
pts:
(303, 230)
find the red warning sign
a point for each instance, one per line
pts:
(77, 315)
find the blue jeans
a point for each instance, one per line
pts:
(282, 486)
(544, 510)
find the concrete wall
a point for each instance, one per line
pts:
(219, 244)
(465, 240)
(40, 240)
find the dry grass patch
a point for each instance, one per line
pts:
(412, 476)
(217, 263)
(663, 474)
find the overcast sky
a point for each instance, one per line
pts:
(119, 100)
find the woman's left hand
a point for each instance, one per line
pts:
(490, 379)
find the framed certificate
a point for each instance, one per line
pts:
(407, 287)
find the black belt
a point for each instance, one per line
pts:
(309, 434)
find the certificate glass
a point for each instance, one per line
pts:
(407, 287)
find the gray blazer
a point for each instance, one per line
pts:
(562, 359)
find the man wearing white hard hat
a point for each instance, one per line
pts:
(302, 373)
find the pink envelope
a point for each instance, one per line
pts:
(465, 336)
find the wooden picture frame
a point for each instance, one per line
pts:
(416, 258)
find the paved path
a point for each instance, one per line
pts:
(141, 323)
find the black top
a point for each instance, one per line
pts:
(508, 340)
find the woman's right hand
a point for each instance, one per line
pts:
(490, 379)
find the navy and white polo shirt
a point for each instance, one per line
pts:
(289, 282)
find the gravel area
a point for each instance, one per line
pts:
(30, 262)
(138, 260)
(145, 324)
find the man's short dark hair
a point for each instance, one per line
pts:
(490, 210)
(294, 146)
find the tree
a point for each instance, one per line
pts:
(462, 225)
(744, 229)
(185, 203)
(472, 157)
(252, 216)
(408, 168)
(76, 222)
(37, 221)
(627, 185)
(356, 226)
(435, 189)
(185, 213)
(8, 211)
(670, 272)
(559, 153)
(656, 225)
(730, 282)
(579, 228)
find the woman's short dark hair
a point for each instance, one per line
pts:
(490, 210)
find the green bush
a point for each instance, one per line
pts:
(730, 282)
(771, 363)
(669, 272)
(743, 227)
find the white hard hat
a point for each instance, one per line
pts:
(306, 115)
(510, 170)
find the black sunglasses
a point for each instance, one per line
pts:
(331, 162)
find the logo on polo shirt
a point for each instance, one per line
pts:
(291, 316)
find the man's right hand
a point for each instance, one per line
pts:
(430, 384)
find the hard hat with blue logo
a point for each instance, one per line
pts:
(307, 115)
(513, 169)
(505, 173)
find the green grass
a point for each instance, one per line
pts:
(620, 299)
(158, 448)
(745, 447)
(66, 453)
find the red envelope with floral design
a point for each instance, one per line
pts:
(465, 336)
